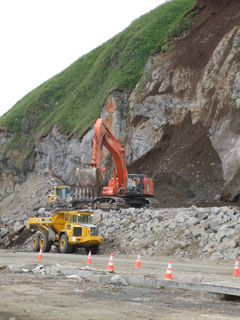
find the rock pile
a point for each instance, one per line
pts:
(30, 200)
(183, 232)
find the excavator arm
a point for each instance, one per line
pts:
(97, 143)
(103, 136)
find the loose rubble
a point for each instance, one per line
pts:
(30, 200)
(183, 232)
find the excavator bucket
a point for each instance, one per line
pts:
(87, 185)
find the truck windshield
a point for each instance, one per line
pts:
(62, 192)
(84, 219)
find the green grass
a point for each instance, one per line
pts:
(74, 98)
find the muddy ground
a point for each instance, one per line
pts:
(28, 296)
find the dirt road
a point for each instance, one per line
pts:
(49, 295)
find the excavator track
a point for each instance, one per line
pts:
(116, 203)
(152, 202)
(142, 202)
(109, 203)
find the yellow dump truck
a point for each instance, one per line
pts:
(60, 193)
(67, 230)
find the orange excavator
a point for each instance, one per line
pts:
(123, 190)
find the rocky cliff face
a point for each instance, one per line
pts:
(59, 155)
(6, 184)
(180, 125)
(199, 79)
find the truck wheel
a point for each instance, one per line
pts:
(64, 246)
(44, 243)
(93, 249)
(35, 242)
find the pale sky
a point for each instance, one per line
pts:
(40, 38)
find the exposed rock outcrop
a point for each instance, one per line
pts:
(60, 155)
(201, 77)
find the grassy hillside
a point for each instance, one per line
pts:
(74, 98)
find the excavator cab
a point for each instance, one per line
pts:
(138, 184)
(133, 184)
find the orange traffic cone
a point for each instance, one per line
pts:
(40, 254)
(89, 259)
(236, 269)
(168, 274)
(110, 263)
(138, 263)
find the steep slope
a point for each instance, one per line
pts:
(185, 167)
(43, 129)
(186, 107)
(73, 99)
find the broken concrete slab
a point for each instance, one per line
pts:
(157, 283)
(38, 269)
(117, 279)
(74, 277)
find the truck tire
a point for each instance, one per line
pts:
(35, 243)
(64, 246)
(93, 249)
(44, 243)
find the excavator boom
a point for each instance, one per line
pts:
(97, 144)
(104, 137)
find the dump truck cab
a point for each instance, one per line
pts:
(67, 230)
(64, 193)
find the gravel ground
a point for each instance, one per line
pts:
(31, 296)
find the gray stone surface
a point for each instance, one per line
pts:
(3, 232)
(180, 232)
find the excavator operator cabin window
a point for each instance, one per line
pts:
(74, 218)
(131, 184)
